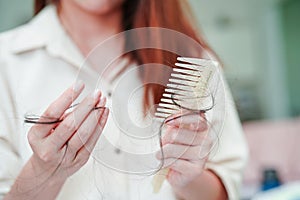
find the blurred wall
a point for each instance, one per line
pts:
(14, 13)
(291, 28)
(248, 36)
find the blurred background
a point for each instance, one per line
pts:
(258, 41)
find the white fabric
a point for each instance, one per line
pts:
(38, 61)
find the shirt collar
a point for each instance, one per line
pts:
(46, 31)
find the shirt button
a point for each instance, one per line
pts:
(109, 93)
(117, 150)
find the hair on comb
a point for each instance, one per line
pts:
(186, 93)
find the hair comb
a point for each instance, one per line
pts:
(188, 92)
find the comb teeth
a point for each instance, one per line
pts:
(173, 96)
(187, 86)
(182, 82)
(181, 87)
(166, 105)
(199, 62)
(167, 111)
(179, 92)
(188, 66)
(166, 100)
(188, 72)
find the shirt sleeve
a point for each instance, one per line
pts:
(10, 161)
(229, 157)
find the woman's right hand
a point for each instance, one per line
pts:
(61, 149)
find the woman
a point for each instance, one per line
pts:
(56, 164)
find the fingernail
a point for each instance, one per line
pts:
(97, 94)
(77, 86)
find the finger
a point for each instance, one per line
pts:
(57, 109)
(183, 136)
(185, 167)
(99, 129)
(88, 147)
(193, 122)
(70, 124)
(192, 153)
(85, 130)
(167, 136)
(168, 162)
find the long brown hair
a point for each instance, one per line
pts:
(171, 14)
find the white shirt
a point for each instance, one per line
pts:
(38, 62)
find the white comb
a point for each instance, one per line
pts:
(187, 88)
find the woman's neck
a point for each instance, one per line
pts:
(88, 29)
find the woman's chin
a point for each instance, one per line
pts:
(100, 7)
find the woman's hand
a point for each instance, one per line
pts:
(186, 146)
(63, 148)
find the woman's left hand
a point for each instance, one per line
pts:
(186, 146)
